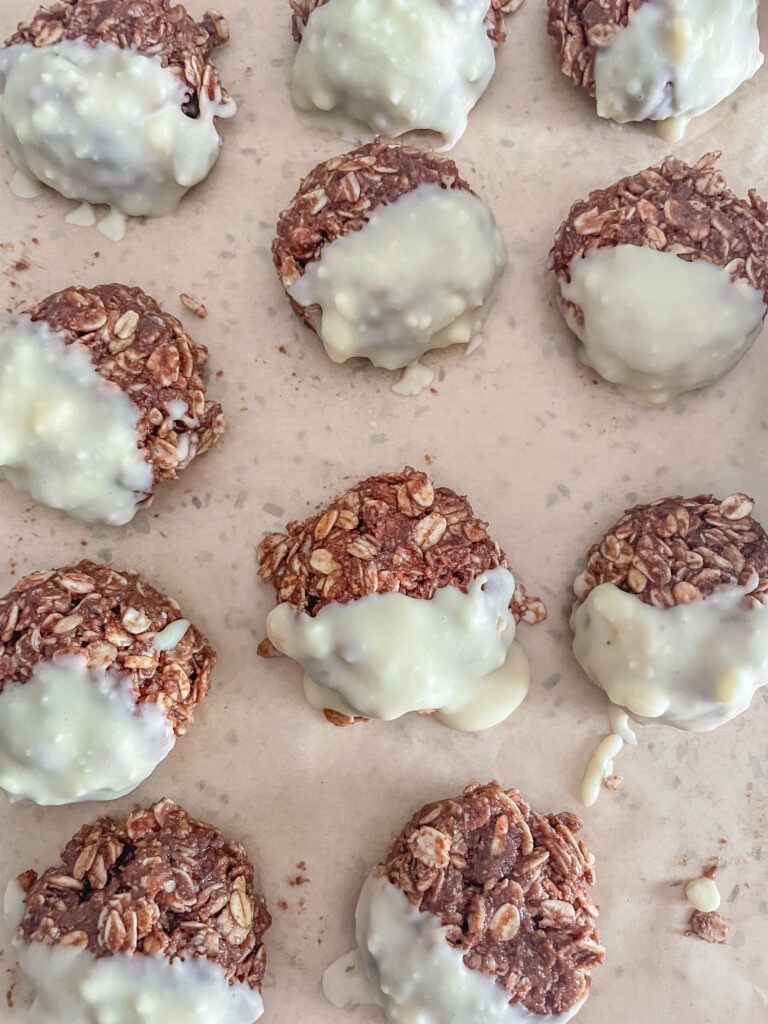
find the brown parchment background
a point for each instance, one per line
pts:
(546, 453)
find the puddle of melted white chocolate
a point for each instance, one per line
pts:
(657, 325)
(703, 894)
(694, 666)
(71, 733)
(105, 125)
(676, 59)
(366, 68)
(422, 273)
(405, 965)
(455, 654)
(67, 436)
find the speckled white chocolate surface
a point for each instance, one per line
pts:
(546, 454)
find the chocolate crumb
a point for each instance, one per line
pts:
(710, 927)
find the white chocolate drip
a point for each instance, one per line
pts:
(405, 964)
(693, 666)
(455, 653)
(421, 274)
(414, 379)
(703, 894)
(83, 216)
(105, 125)
(74, 987)
(71, 734)
(656, 325)
(388, 67)
(676, 59)
(68, 437)
(599, 767)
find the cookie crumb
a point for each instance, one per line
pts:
(193, 305)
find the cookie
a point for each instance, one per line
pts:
(481, 912)
(114, 102)
(387, 253)
(101, 399)
(670, 616)
(389, 67)
(397, 557)
(663, 277)
(652, 60)
(151, 918)
(99, 673)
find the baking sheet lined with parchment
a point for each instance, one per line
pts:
(545, 453)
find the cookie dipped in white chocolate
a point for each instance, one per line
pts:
(422, 273)
(694, 666)
(105, 125)
(68, 437)
(455, 653)
(658, 325)
(71, 733)
(676, 59)
(406, 965)
(366, 68)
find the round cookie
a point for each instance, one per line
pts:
(115, 102)
(151, 918)
(665, 61)
(670, 617)
(480, 912)
(99, 673)
(663, 277)
(396, 556)
(387, 253)
(101, 399)
(366, 68)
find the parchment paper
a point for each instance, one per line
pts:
(546, 453)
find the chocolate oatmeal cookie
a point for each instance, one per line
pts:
(511, 889)
(155, 896)
(99, 673)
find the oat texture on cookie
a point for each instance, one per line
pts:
(396, 549)
(663, 277)
(157, 901)
(387, 253)
(99, 673)
(102, 398)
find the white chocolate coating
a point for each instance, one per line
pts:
(387, 67)
(74, 987)
(694, 666)
(68, 437)
(703, 895)
(105, 125)
(406, 966)
(421, 274)
(455, 653)
(676, 59)
(656, 325)
(71, 734)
